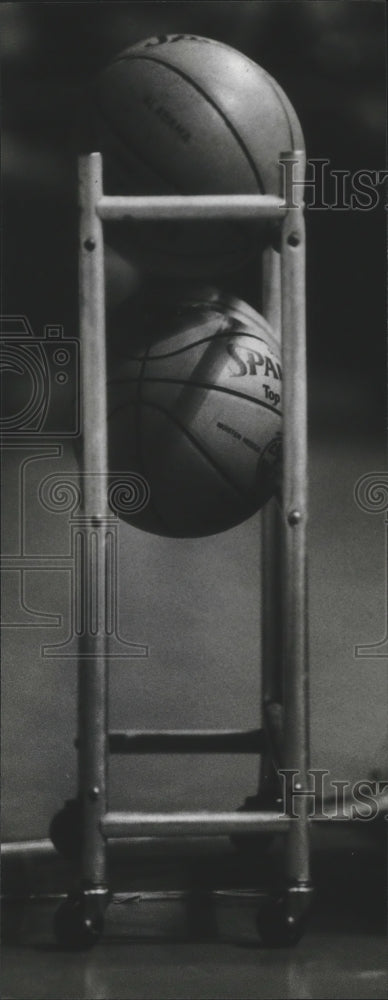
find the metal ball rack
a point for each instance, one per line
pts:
(283, 740)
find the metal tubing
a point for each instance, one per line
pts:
(271, 572)
(296, 749)
(272, 295)
(206, 741)
(192, 824)
(23, 848)
(194, 207)
(271, 603)
(92, 682)
(271, 519)
(271, 642)
(330, 813)
(274, 728)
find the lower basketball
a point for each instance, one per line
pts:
(195, 410)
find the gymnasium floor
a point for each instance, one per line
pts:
(201, 945)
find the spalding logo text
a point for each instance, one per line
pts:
(248, 361)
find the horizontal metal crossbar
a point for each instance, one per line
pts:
(191, 824)
(199, 206)
(186, 741)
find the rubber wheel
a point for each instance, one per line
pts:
(277, 927)
(76, 927)
(66, 830)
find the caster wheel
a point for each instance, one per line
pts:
(66, 830)
(253, 843)
(278, 928)
(77, 925)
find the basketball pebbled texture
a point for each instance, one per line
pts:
(190, 115)
(196, 411)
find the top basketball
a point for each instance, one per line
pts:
(189, 115)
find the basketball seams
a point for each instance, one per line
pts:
(204, 340)
(115, 131)
(140, 160)
(199, 447)
(209, 458)
(212, 387)
(279, 94)
(226, 255)
(200, 385)
(209, 100)
(188, 347)
(275, 87)
(229, 48)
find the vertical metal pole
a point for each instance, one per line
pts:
(296, 737)
(92, 676)
(272, 302)
(271, 521)
(271, 591)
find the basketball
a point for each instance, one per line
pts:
(188, 115)
(196, 411)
